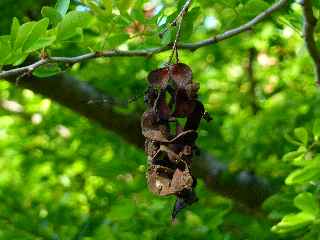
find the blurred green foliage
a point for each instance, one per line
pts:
(63, 177)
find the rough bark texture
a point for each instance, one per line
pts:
(243, 187)
(309, 28)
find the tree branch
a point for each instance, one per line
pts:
(150, 51)
(243, 28)
(74, 94)
(252, 80)
(243, 186)
(309, 26)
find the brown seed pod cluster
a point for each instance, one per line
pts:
(169, 126)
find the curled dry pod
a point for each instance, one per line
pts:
(159, 180)
(151, 129)
(159, 77)
(172, 156)
(161, 107)
(188, 136)
(150, 96)
(181, 74)
(171, 95)
(181, 180)
(195, 117)
(184, 108)
(192, 90)
(151, 147)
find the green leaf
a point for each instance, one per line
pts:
(307, 174)
(300, 161)
(302, 135)
(316, 129)
(188, 23)
(293, 222)
(117, 39)
(166, 38)
(108, 6)
(47, 70)
(41, 43)
(19, 58)
(231, 3)
(254, 7)
(54, 16)
(306, 202)
(291, 156)
(62, 6)
(124, 210)
(290, 139)
(15, 57)
(34, 36)
(29, 33)
(123, 5)
(14, 30)
(137, 15)
(4, 49)
(70, 23)
(23, 33)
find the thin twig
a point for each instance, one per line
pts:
(183, 10)
(309, 26)
(150, 51)
(178, 22)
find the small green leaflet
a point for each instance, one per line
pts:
(54, 16)
(14, 30)
(4, 49)
(47, 70)
(316, 129)
(31, 43)
(304, 175)
(62, 6)
(301, 135)
(293, 222)
(306, 202)
(71, 22)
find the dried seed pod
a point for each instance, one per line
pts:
(192, 90)
(181, 180)
(159, 77)
(181, 74)
(159, 180)
(169, 145)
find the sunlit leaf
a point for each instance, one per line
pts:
(54, 16)
(293, 222)
(62, 6)
(14, 30)
(72, 21)
(307, 174)
(46, 70)
(306, 202)
(302, 135)
(316, 129)
(4, 49)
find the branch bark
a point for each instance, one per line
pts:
(150, 51)
(252, 80)
(310, 22)
(244, 187)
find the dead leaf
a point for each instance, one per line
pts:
(181, 74)
(159, 77)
